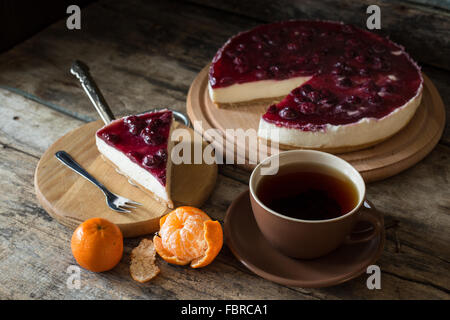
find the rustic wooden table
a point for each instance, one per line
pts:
(147, 54)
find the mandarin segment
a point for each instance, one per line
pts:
(187, 234)
(166, 255)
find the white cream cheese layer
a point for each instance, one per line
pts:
(255, 90)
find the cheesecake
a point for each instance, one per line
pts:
(327, 85)
(139, 147)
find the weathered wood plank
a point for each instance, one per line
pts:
(441, 79)
(20, 116)
(444, 4)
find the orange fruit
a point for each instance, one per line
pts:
(97, 244)
(188, 235)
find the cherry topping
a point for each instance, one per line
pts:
(328, 102)
(260, 74)
(341, 69)
(162, 154)
(166, 117)
(377, 63)
(301, 61)
(260, 46)
(152, 139)
(151, 161)
(343, 107)
(315, 58)
(370, 87)
(385, 66)
(364, 72)
(134, 154)
(274, 70)
(378, 48)
(353, 100)
(292, 46)
(305, 90)
(135, 125)
(348, 29)
(113, 138)
(350, 53)
(131, 120)
(288, 113)
(273, 42)
(272, 109)
(315, 95)
(155, 160)
(308, 107)
(375, 99)
(225, 81)
(154, 124)
(162, 176)
(256, 38)
(240, 47)
(345, 83)
(361, 58)
(389, 88)
(241, 64)
(352, 42)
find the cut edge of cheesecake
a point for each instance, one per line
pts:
(253, 93)
(365, 132)
(137, 175)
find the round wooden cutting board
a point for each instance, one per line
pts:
(385, 159)
(71, 199)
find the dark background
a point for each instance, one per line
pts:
(20, 19)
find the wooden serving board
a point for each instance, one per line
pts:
(376, 162)
(71, 199)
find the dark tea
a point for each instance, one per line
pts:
(308, 191)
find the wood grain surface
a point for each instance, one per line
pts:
(71, 199)
(375, 162)
(148, 57)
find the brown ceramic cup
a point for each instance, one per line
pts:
(309, 239)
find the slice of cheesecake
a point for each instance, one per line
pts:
(139, 146)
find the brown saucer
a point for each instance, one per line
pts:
(250, 247)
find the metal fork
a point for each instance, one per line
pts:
(114, 201)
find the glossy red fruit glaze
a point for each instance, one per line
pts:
(143, 139)
(342, 60)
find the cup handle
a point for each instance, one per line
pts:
(367, 214)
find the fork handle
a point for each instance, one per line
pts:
(65, 158)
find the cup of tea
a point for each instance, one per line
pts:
(312, 204)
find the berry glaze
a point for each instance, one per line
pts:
(354, 73)
(143, 139)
